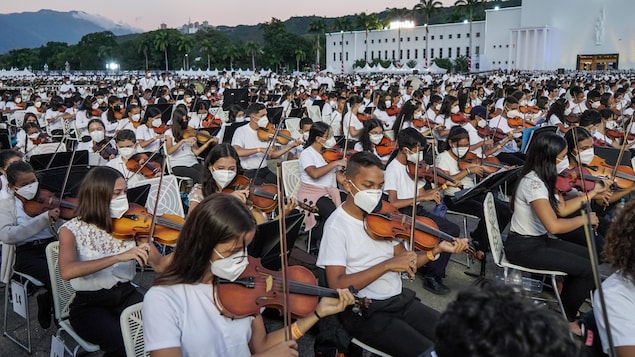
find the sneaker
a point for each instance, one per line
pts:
(435, 285)
(44, 310)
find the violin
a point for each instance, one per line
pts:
(21, 105)
(570, 179)
(61, 109)
(264, 196)
(140, 163)
(47, 200)
(389, 224)
(572, 119)
(283, 137)
(41, 139)
(488, 132)
(334, 154)
(386, 146)
(201, 135)
(137, 222)
(490, 164)
(529, 109)
(618, 134)
(459, 118)
(624, 176)
(105, 149)
(96, 112)
(258, 287)
(428, 172)
(392, 111)
(519, 121)
(420, 123)
(211, 121)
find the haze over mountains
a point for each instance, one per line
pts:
(34, 29)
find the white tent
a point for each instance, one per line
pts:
(365, 70)
(436, 69)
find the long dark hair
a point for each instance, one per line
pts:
(457, 133)
(541, 158)
(178, 119)
(219, 218)
(408, 138)
(619, 249)
(94, 196)
(110, 114)
(219, 151)
(406, 114)
(557, 109)
(364, 138)
(317, 129)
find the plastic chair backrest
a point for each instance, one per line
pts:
(291, 177)
(493, 232)
(170, 200)
(63, 292)
(132, 330)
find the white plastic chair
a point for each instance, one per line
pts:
(366, 347)
(170, 200)
(291, 178)
(17, 117)
(293, 125)
(498, 253)
(16, 292)
(132, 330)
(63, 294)
(314, 112)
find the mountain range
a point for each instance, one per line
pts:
(34, 29)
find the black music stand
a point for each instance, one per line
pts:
(610, 155)
(52, 179)
(235, 96)
(274, 115)
(319, 103)
(230, 129)
(59, 159)
(494, 180)
(266, 243)
(296, 113)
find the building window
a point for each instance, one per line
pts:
(477, 50)
(440, 37)
(478, 34)
(407, 54)
(458, 51)
(400, 54)
(416, 53)
(340, 56)
(340, 43)
(333, 56)
(365, 41)
(424, 38)
(450, 52)
(372, 55)
(347, 56)
(372, 41)
(450, 36)
(432, 37)
(467, 35)
(393, 54)
(416, 38)
(432, 53)
(424, 53)
(334, 43)
(393, 40)
(386, 54)
(408, 39)
(400, 39)
(347, 43)
(458, 35)
(440, 52)
(507, 46)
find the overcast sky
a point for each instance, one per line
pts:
(148, 15)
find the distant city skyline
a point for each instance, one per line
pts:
(149, 15)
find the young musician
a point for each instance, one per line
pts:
(399, 186)
(148, 139)
(619, 288)
(371, 136)
(126, 149)
(352, 257)
(29, 235)
(538, 210)
(180, 305)
(7, 157)
(99, 266)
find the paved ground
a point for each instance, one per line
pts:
(456, 280)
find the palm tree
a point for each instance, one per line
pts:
(184, 44)
(468, 8)
(299, 56)
(317, 27)
(342, 24)
(231, 51)
(161, 43)
(252, 48)
(144, 46)
(368, 22)
(206, 47)
(427, 7)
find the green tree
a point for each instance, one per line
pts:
(318, 28)
(460, 64)
(299, 56)
(94, 49)
(184, 44)
(253, 49)
(427, 8)
(468, 8)
(206, 47)
(161, 43)
(342, 24)
(230, 53)
(144, 45)
(443, 63)
(367, 23)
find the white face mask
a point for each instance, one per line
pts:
(97, 135)
(133, 81)
(188, 100)
(95, 106)
(38, 104)
(595, 105)
(329, 143)
(136, 117)
(119, 206)
(418, 115)
(514, 114)
(157, 122)
(567, 111)
(127, 153)
(482, 123)
(34, 136)
(367, 200)
(454, 110)
(376, 138)
(437, 107)
(361, 108)
(522, 103)
(68, 82)
(460, 151)
(562, 165)
(28, 191)
(223, 177)
(586, 156)
(100, 100)
(305, 136)
(262, 122)
(388, 103)
(18, 100)
(240, 119)
(412, 157)
(333, 104)
(230, 267)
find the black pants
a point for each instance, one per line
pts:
(437, 267)
(95, 316)
(474, 207)
(193, 172)
(555, 254)
(264, 176)
(399, 326)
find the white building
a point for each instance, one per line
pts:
(539, 35)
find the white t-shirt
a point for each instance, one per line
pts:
(186, 317)
(346, 243)
(119, 165)
(396, 178)
(56, 124)
(501, 123)
(352, 121)
(183, 156)
(195, 122)
(554, 120)
(387, 120)
(144, 133)
(524, 219)
(310, 157)
(474, 139)
(619, 295)
(247, 138)
(446, 162)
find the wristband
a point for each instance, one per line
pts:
(468, 170)
(431, 256)
(316, 314)
(258, 150)
(295, 331)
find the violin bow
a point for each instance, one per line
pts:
(414, 208)
(585, 211)
(272, 141)
(154, 153)
(286, 312)
(622, 148)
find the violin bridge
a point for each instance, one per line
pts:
(268, 283)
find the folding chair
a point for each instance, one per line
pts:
(16, 293)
